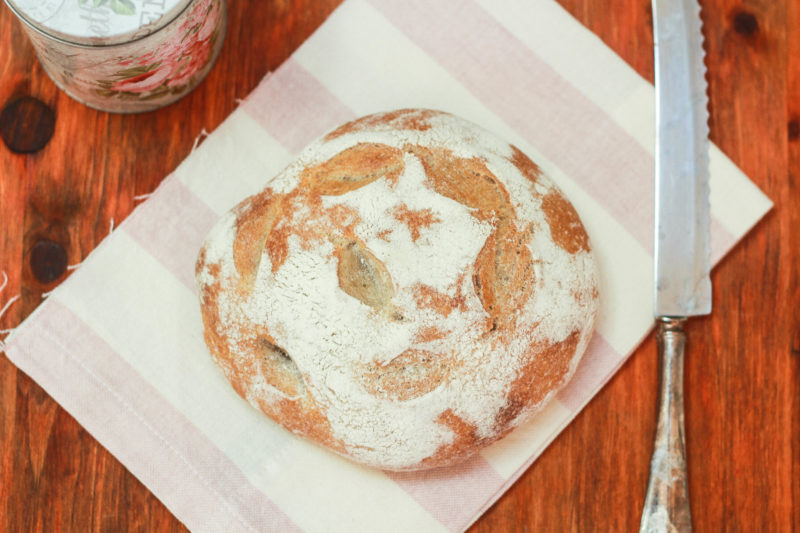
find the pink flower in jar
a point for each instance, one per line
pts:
(176, 60)
(145, 82)
(147, 58)
(209, 23)
(194, 60)
(169, 52)
(199, 51)
(196, 16)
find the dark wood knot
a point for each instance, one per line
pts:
(48, 261)
(26, 125)
(793, 129)
(745, 23)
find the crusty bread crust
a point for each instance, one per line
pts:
(405, 293)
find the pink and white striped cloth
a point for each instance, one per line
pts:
(119, 344)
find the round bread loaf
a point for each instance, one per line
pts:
(405, 292)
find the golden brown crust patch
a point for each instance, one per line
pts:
(428, 297)
(407, 376)
(467, 181)
(278, 244)
(402, 119)
(216, 340)
(303, 417)
(504, 275)
(353, 168)
(253, 226)
(527, 168)
(416, 220)
(565, 225)
(430, 333)
(465, 441)
(546, 369)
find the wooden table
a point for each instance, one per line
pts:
(742, 397)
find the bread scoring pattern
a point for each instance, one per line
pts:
(407, 291)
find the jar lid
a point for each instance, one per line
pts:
(97, 22)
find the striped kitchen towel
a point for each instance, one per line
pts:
(120, 345)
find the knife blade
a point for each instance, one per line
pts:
(682, 244)
(682, 239)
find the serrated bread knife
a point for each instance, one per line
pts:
(682, 248)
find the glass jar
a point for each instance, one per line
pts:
(125, 56)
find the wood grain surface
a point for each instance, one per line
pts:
(742, 393)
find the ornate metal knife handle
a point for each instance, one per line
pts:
(666, 507)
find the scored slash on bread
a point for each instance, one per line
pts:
(362, 275)
(405, 293)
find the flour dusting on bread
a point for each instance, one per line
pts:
(406, 292)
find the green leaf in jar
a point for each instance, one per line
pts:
(133, 71)
(123, 7)
(157, 93)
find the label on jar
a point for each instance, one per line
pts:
(79, 20)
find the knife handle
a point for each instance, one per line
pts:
(666, 507)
